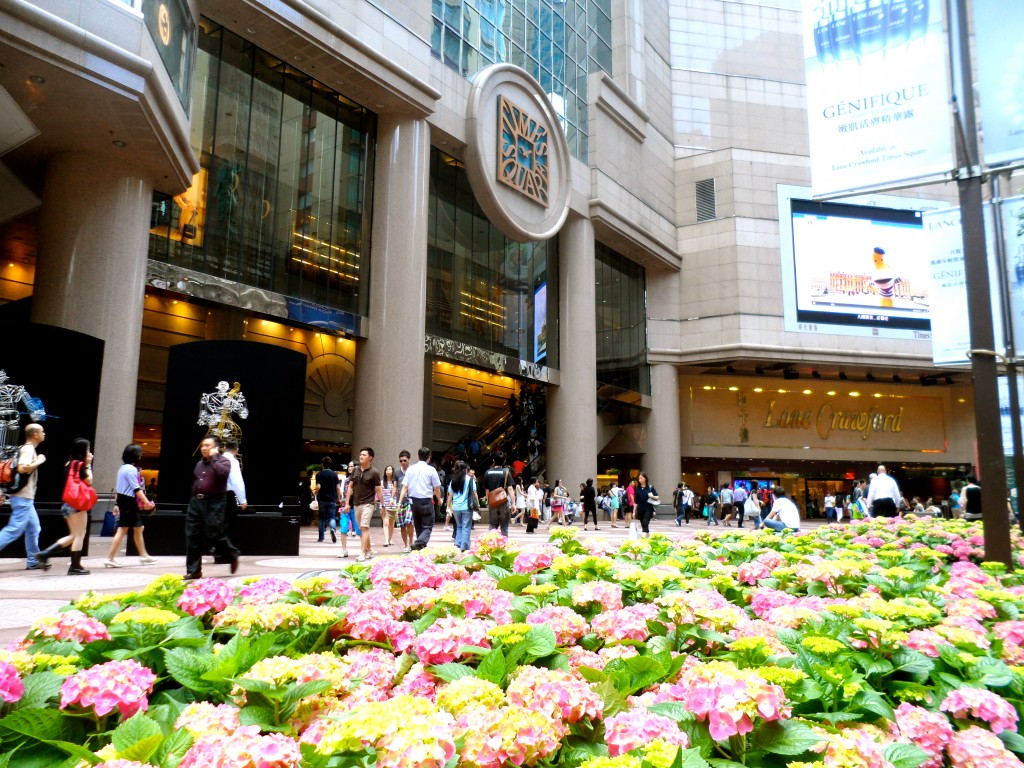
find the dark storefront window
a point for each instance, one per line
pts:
(279, 202)
(621, 323)
(482, 288)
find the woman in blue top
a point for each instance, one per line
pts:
(131, 499)
(459, 490)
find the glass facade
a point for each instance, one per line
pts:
(484, 289)
(621, 298)
(557, 41)
(280, 200)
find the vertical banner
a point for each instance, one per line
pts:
(1013, 223)
(951, 333)
(877, 92)
(1000, 79)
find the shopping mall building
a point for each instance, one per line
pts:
(442, 204)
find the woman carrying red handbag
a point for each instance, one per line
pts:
(77, 486)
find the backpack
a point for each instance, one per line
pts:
(11, 480)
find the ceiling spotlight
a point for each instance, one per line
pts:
(842, 376)
(789, 373)
(118, 143)
(36, 79)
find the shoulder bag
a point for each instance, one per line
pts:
(78, 494)
(497, 497)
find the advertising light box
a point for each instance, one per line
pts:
(877, 93)
(1000, 79)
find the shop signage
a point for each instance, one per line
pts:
(517, 158)
(828, 420)
(173, 31)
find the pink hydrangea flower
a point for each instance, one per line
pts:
(245, 748)
(373, 616)
(634, 728)
(121, 685)
(983, 705)
(555, 693)
(507, 736)
(266, 590)
(604, 593)
(931, 731)
(11, 687)
(205, 595)
(417, 682)
(487, 545)
(926, 641)
(727, 697)
(441, 641)
(401, 574)
(71, 625)
(479, 596)
(123, 764)
(535, 559)
(977, 748)
(567, 625)
(628, 623)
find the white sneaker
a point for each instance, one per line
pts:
(407, 549)
(343, 555)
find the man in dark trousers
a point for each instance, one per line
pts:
(205, 519)
(499, 476)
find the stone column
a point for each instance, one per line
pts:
(572, 405)
(662, 460)
(389, 365)
(91, 275)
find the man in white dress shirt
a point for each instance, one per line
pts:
(884, 495)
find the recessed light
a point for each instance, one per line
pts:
(36, 79)
(298, 57)
(251, 30)
(119, 143)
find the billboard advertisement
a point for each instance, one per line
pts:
(877, 93)
(1013, 223)
(951, 331)
(857, 268)
(540, 323)
(1000, 79)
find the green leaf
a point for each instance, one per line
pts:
(843, 716)
(540, 641)
(592, 675)
(614, 702)
(313, 759)
(41, 689)
(1013, 741)
(134, 729)
(992, 673)
(39, 756)
(716, 762)
(493, 668)
(690, 758)
(141, 750)
(39, 724)
(496, 572)
(912, 662)
(298, 691)
(256, 715)
(76, 751)
(452, 671)
(514, 583)
(905, 755)
(872, 701)
(173, 748)
(675, 710)
(785, 737)
(428, 618)
(188, 666)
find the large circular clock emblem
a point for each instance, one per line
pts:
(163, 19)
(517, 158)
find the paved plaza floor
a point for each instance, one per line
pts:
(28, 595)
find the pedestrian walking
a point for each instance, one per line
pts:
(130, 501)
(24, 518)
(205, 523)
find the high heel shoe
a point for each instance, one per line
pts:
(111, 564)
(147, 560)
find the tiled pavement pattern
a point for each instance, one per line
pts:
(28, 595)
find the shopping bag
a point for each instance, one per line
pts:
(109, 523)
(634, 530)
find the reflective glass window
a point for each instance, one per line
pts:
(621, 305)
(484, 289)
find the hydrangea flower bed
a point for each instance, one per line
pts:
(884, 644)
